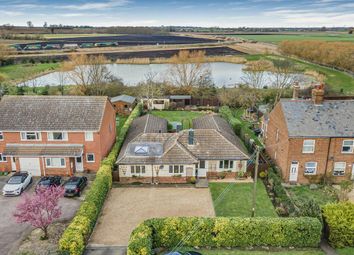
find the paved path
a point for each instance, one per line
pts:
(105, 250)
(327, 249)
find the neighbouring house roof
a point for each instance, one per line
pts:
(334, 118)
(123, 98)
(52, 113)
(215, 141)
(180, 97)
(64, 150)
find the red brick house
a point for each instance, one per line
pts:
(312, 138)
(55, 135)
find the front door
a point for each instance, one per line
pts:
(294, 171)
(78, 164)
(13, 164)
(353, 172)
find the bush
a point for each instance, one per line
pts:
(339, 218)
(225, 232)
(75, 236)
(307, 207)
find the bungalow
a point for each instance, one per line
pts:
(55, 135)
(151, 155)
(123, 104)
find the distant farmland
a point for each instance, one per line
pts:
(277, 38)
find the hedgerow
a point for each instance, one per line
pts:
(224, 232)
(77, 233)
(339, 218)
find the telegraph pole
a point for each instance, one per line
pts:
(255, 181)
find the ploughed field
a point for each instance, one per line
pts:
(118, 40)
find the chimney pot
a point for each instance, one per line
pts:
(296, 91)
(318, 94)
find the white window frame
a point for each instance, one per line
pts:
(350, 146)
(308, 146)
(88, 136)
(200, 163)
(338, 169)
(314, 167)
(23, 136)
(94, 158)
(64, 135)
(1, 136)
(51, 160)
(230, 164)
(3, 158)
(176, 169)
(134, 169)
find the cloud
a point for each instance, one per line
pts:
(11, 13)
(95, 5)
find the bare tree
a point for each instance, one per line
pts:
(29, 23)
(254, 73)
(150, 87)
(89, 73)
(189, 69)
(283, 73)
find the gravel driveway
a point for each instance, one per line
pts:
(125, 208)
(12, 233)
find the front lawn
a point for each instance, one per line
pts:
(323, 195)
(185, 117)
(245, 252)
(345, 251)
(237, 200)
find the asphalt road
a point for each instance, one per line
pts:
(12, 233)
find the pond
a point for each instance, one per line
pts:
(223, 74)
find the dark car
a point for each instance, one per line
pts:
(74, 186)
(49, 181)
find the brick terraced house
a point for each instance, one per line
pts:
(151, 155)
(313, 138)
(55, 135)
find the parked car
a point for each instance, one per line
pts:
(74, 186)
(17, 183)
(49, 181)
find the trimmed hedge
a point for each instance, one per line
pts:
(77, 233)
(339, 218)
(224, 232)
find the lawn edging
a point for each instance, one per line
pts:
(75, 236)
(224, 232)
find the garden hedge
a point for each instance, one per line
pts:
(77, 233)
(224, 232)
(339, 219)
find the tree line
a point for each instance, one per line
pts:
(334, 54)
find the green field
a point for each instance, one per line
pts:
(60, 36)
(237, 200)
(19, 72)
(185, 117)
(277, 38)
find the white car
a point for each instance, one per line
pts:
(17, 183)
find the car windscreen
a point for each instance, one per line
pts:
(70, 186)
(44, 182)
(15, 180)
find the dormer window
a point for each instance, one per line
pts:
(141, 150)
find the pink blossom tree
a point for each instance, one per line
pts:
(40, 209)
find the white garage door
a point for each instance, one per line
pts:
(30, 165)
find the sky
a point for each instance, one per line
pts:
(205, 13)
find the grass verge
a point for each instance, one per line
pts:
(244, 252)
(237, 202)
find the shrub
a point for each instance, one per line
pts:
(307, 207)
(339, 218)
(74, 237)
(225, 232)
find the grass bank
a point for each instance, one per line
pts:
(237, 201)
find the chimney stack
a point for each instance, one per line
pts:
(191, 137)
(296, 91)
(318, 94)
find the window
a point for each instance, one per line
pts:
(1, 136)
(90, 157)
(88, 136)
(339, 168)
(30, 136)
(55, 162)
(141, 150)
(202, 164)
(310, 167)
(57, 136)
(137, 169)
(176, 169)
(309, 146)
(2, 158)
(226, 164)
(347, 146)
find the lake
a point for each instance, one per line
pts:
(223, 74)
